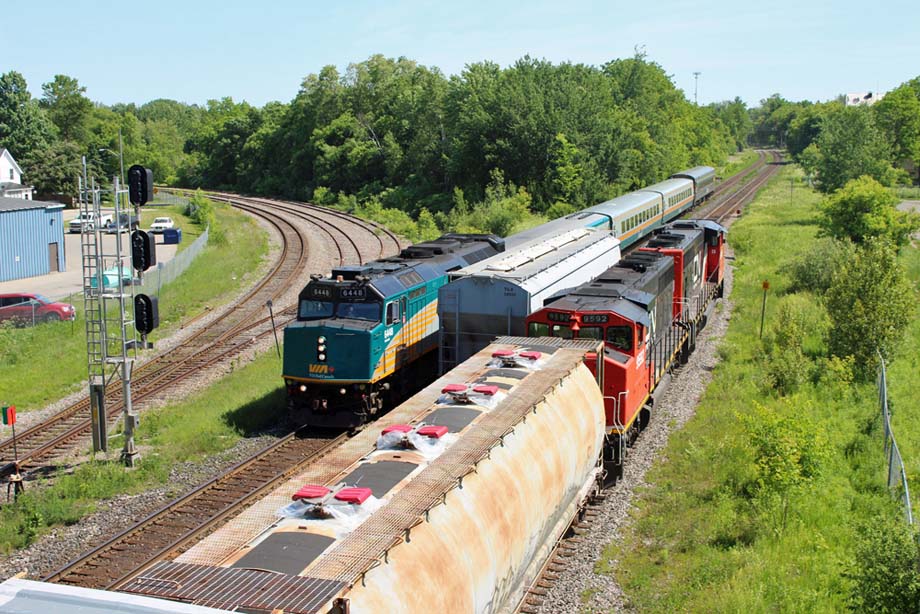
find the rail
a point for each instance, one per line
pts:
(897, 476)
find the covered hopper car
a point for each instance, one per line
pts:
(451, 503)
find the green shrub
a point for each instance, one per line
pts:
(886, 568)
(814, 270)
(870, 303)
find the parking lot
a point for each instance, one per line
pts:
(60, 285)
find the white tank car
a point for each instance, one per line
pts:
(452, 504)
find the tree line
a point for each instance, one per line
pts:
(392, 135)
(484, 150)
(836, 143)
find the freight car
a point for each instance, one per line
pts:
(361, 333)
(450, 504)
(647, 309)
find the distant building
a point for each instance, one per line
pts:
(31, 238)
(860, 99)
(11, 185)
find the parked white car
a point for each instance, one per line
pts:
(162, 223)
(88, 220)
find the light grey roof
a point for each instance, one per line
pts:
(12, 185)
(20, 204)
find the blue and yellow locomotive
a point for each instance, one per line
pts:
(361, 333)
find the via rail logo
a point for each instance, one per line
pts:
(321, 370)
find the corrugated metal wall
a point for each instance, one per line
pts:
(25, 237)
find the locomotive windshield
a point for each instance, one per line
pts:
(620, 337)
(315, 310)
(359, 311)
(319, 310)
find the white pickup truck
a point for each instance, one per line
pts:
(88, 220)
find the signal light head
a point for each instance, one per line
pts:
(322, 357)
(321, 340)
(321, 348)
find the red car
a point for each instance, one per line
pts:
(25, 307)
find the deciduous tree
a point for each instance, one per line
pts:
(864, 210)
(870, 303)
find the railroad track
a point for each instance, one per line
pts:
(183, 522)
(742, 188)
(243, 323)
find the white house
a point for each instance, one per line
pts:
(863, 99)
(11, 178)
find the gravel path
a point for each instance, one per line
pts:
(677, 406)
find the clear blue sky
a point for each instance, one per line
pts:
(260, 51)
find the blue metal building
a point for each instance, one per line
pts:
(31, 238)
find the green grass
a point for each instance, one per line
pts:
(208, 422)
(737, 162)
(190, 230)
(704, 538)
(41, 364)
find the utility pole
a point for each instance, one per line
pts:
(696, 82)
(121, 162)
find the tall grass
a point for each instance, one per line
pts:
(705, 537)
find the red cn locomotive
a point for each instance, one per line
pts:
(648, 309)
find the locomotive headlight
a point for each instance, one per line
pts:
(321, 348)
(322, 357)
(303, 387)
(342, 391)
(321, 340)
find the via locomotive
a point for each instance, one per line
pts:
(360, 333)
(647, 309)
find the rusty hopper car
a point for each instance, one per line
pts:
(452, 502)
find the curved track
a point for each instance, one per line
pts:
(242, 323)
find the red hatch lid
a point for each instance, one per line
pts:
(310, 491)
(530, 355)
(354, 495)
(454, 388)
(397, 428)
(433, 430)
(502, 353)
(486, 390)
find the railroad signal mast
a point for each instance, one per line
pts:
(108, 296)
